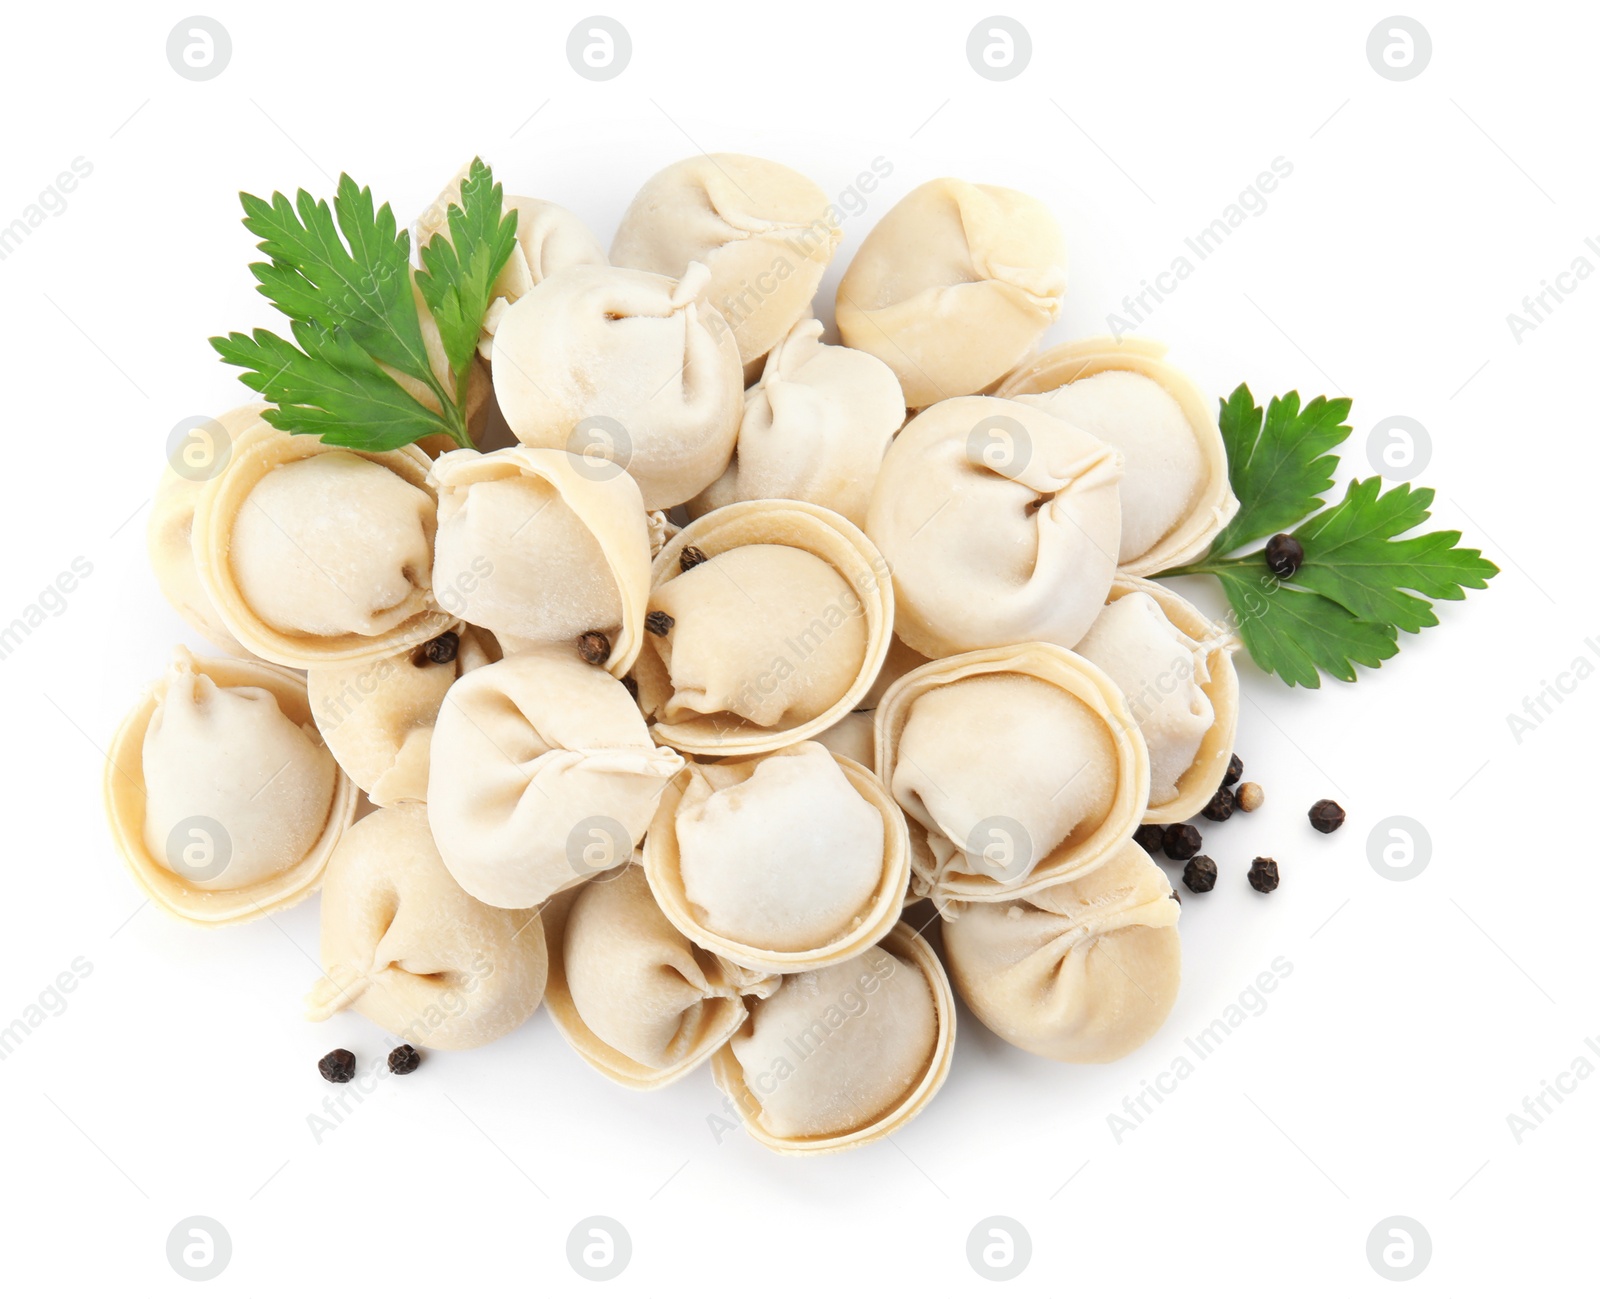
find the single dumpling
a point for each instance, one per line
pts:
(549, 239)
(815, 428)
(541, 773)
(764, 231)
(316, 554)
(1175, 667)
(1016, 768)
(406, 947)
(954, 286)
(221, 795)
(1084, 971)
(169, 535)
(627, 369)
(1000, 525)
(781, 862)
(538, 550)
(841, 1056)
(768, 621)
(1175, 491)
(377, 717)
(635, 998)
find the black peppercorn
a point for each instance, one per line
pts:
(1285, 555)
(1148, 837)
(1235, 770)
(1180, 841)
(404, 1059)
(633, 687)
(441, 649)
(1263, 874)
(690, 557)
(1326, 815)
(1200, 875)
(338, 1066)
(1220, 808)
(659, 623)
(594, 647)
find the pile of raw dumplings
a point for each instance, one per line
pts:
(666, 711)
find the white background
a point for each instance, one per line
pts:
(1377, 1081)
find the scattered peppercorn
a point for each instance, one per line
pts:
(633, 687)
(404, 1059)
(1263, 874)
(1235, 770)
(1148, 837)
(1220, 808)
(659, 623)
(1249, 797)
(689, 557)
(441, 649)
(338, 1066)
(1200, 875)
(594, 647)
(1285, 555)
(1326, 815)
(1180, 841)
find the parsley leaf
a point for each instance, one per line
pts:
(1294, 633)
(458, 286)
(1362, 581)
(342, 275)
(1279, 467)
(1355, 555)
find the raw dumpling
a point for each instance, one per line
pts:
(1016, 767)
(315, 554)
(221, 796)
(768, 622)
(540, 551)
(1000, 525)
(1175, 668)
(635, 998)
(549, 239)
(402, 944)
(784, 862)
(541, 773)
(954, 286)
(1084, 971)
(627, 369)
(1175, 492)
(170, 534)
(765, 232)
(841, 1056)
(377, 717)
(815, 428)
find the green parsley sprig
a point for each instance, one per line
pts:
(343, 277)
(1362, 582)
